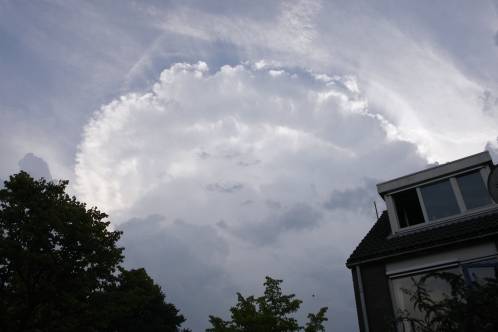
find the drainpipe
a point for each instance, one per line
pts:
(362, 298)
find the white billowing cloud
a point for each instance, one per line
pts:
(409, 67)
(249, 169)
(240, 129)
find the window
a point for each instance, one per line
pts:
(439, 200)
(402, 286)
(480, 272)
(408, 208)
(473, 190)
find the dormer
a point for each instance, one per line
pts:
(439, 194)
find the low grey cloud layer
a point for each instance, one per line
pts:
(298, 217)
(35, 166)
(224, 187)
(186, 259)
(235, 141)
(359, 199)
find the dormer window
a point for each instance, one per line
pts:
(441, 199)
(473, 190)
(439, 193)
(408, 208)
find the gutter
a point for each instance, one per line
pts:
(369, 260)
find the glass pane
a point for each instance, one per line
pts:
(473, 190)
(481, 274)
(408, 208)
(439, 200)
(437, 288)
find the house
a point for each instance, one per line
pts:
(438, 219)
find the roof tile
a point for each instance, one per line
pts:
(379, 243)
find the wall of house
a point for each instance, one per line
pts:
(377, 298)
(449, 259)
(441, 257)
(377, 308)
(358, 300)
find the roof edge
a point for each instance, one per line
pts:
(350, 265)
(481, 158)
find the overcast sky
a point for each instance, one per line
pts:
(236, 139)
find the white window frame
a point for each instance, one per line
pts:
(484, 170)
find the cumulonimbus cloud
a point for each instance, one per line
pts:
(240, 129)
(249, 155)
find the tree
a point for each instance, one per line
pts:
(467, 307)
(60, 265)
(315, 323)
(136, 303)
(270, 312)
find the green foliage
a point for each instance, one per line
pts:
(270, 312)
(60, 266)
(466, 308)
(315, 323)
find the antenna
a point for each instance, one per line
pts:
(493, 184)
(376, 212)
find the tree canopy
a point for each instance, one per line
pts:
(271, 312)
(60, 267)
(136, 303)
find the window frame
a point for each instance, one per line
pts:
(464, 211)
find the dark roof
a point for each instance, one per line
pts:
(379, 243)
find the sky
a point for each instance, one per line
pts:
(231, 140)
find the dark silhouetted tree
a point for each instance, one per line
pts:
(60, 266)
(270, 312)
(136, 303)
